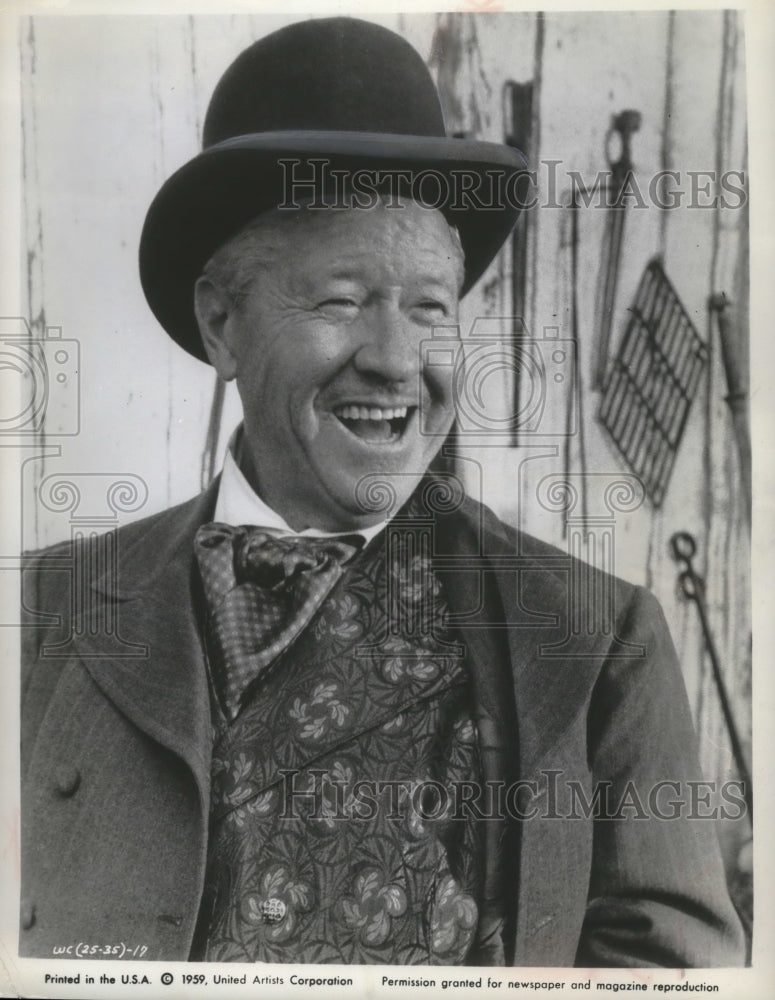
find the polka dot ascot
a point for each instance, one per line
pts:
(261, 590)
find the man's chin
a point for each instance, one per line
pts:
(371, 497)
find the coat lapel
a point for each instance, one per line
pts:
(154, 598)
(473, 600)
(531, 713)
(551, 698)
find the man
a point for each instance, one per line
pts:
(347, 742)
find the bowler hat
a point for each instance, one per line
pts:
(316, 97)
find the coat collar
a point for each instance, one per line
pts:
(152, 548)
(158, 677)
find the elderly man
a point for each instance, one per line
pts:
(345, 744)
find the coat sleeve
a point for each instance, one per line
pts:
(658, 894)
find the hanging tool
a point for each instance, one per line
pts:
(737, 387)
(652, 382)
(575, 396)
(519, 114)
(623, 125)
(684, 548)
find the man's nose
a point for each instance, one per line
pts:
(391, 345)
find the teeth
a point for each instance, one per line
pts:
(353, 412)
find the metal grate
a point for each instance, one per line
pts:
(650, 385)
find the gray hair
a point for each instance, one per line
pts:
(234, 265)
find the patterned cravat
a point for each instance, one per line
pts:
(261, 592)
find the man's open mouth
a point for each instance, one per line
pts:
(374, 423)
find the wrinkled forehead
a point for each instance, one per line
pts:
(384, 227)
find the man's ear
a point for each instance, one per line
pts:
(212, 308)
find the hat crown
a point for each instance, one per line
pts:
(341, 90)
(331, 74)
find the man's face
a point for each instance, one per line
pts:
(326, 347)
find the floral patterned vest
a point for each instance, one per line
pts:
(335, 834)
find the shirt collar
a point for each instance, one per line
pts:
(238, 503)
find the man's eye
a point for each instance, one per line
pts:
(432, 306)
(343, 303)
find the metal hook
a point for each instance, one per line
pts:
(683, 546)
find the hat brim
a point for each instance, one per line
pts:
(213, 196)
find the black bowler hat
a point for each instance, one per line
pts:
(341, 90)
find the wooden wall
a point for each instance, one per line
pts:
(112, 105)
(685, 73)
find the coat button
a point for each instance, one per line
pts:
(27, 916)
(67, 779)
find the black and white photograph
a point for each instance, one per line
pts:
(385, 456)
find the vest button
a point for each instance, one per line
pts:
(67, 779)
(27, 916)
(273, 910)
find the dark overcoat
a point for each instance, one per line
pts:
(116, 743)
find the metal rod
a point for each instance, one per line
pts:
(624, 125)
(574, 391)
(737, 398)
(684, 547)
